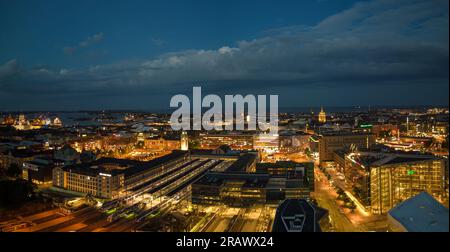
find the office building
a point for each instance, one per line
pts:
(108, 177)
(383, 180)
(336, 140)
(270, 184)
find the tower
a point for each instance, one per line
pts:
(407, 124)
(184, 141)
(322, 116)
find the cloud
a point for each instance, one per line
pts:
(91, 40)
(69, 50)
(157, 41)
(8, 69)
(372, 43)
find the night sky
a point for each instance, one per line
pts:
(72, 55)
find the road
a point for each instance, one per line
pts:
(326, 198)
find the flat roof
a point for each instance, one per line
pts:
(250, 180)
(382, 158)
(282, 164)
(242, 163)
(421, 213)
(124, 166)
(345, 133)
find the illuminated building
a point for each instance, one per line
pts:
(322, 116)
(57, 122)
(93, 180)
(440, 128)
(237, 141)
(9, 120)
(162, 144)
(39, 171)
(37, 122)
(423, 141)
(380, 129)
(407, 125)
(314, 141)
(287, 168)
(184, 141)
(332, 141)
(382, 180)
(294, 142)
(140, 137)
(107, 177)
(22, 123)
(236, 186)
(22, 119)
(266, 142)
(356, 124)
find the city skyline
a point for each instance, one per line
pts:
(310, 53)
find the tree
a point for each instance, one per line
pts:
(357, 191)
(307, 152)
(340, 191)
(16, 192)
(350, 205)
(14, 171)
(194, 144)
(341, 197)
(445, 144)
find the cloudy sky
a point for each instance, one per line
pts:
(70, 55)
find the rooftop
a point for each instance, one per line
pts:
(242, 163)
(282, 164)
(115, 166)
(249, 180)
(297, 215)
(381, 158)
(344, 133)
(421, 213)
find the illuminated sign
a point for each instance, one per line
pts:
(366, 126)
(411, 172)
(104, 174)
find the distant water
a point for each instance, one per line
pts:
(76, 118)
(336, 109)
(87, 118)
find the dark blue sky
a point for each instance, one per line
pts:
(137, 54)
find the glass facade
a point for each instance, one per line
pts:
(392, 184)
